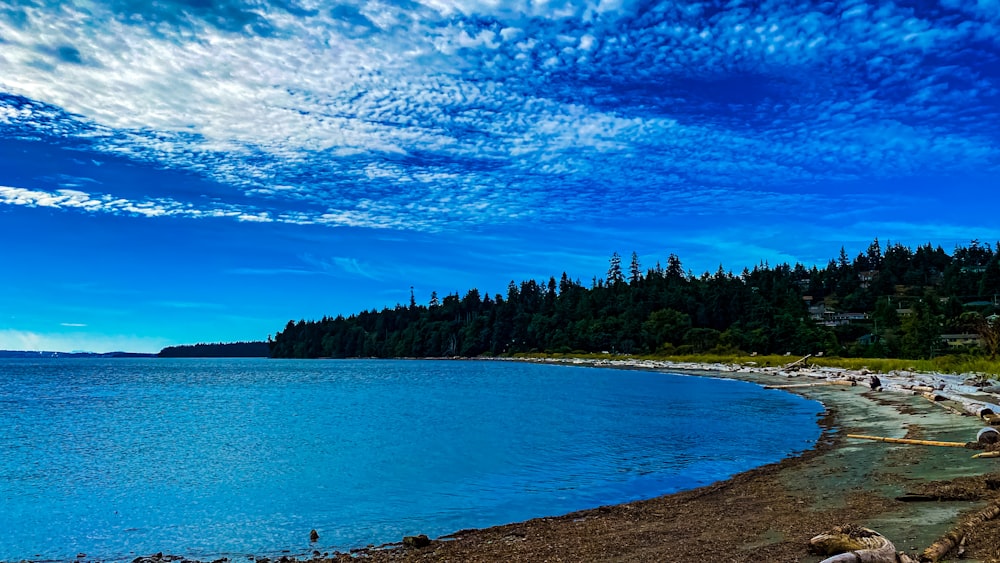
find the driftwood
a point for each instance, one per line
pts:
(801, 360)
(936, 399)
(912, 442)
(987, 436)
(854, 544)
(975, 408)
(816, 384)
(918, 497)
(956, 535)
(978, 409)
(986, 454)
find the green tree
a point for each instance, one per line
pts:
(615, 270)
(665, 326)
(874, 254)
(675, 270)
(702, 339)
(989, 283)
(635, 270)
(921, 332)
(988, 329)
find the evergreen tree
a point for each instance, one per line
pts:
(615, 270)
(989, 283)
(874, 255)
(635, 271)
(674, 268)
(921, 332)
(843, 261)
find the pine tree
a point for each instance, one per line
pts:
(635, 270)
(874, 255)
(989, 283)
(615, 270)
(674, 268)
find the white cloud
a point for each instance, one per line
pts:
(104, 203)
(462, 113)
(340, 265)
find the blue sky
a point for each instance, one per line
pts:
(205, 170)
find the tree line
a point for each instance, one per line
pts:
(902, 300)
(218, 350)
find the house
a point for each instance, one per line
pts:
(867, 277)
(965, 339)
(816, 312)
(833, 318)
(867, 340)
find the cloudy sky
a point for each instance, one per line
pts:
(187, 171)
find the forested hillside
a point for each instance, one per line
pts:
(896, 302)
(219, 350)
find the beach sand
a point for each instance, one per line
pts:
(769, 514)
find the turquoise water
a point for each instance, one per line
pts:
(204, 458)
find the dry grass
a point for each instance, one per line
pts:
(943, 364)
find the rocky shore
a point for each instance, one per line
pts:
(912, 495)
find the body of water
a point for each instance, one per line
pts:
(205, 458)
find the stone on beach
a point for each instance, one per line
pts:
(416, 541)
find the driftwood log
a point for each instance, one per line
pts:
(816, 384)
(854, 544)
(912, 442)
(988, 436)
(936, 399)
(797, 362)
(975, 408)
(956, 535)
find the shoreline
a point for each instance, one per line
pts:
(767, 513)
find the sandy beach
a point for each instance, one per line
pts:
(770, 513)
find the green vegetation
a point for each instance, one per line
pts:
(963, 363)
(923, 307)
(219, 350)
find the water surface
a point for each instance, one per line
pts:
(203, 458)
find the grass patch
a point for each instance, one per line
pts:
(942, 364)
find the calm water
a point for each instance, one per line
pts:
(115, 458)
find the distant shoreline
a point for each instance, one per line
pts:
(15, 354)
